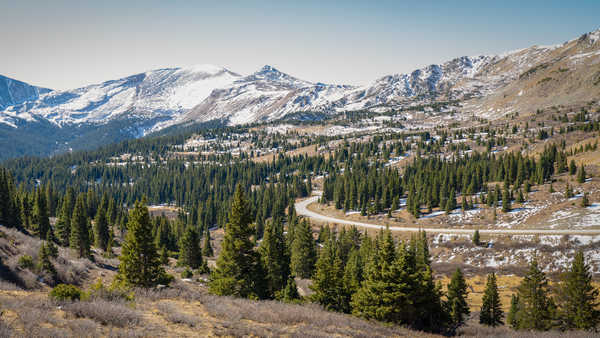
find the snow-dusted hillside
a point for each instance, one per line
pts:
(157, 94)
(14, 92)
(264, 95)
(489, 85)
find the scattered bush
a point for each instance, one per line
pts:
(116, 291)
(105, 312)
(187, 273)
(64, 292)
(169, 311)
(26, 262)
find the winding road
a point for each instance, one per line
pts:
(302, 210)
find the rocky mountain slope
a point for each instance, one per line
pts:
(488, 85)
(14, 92)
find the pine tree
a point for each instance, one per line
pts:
(50, 247)
(303, 251)
(535, 305)
(44, 263)
(572, 167)
(111, 212)
(101, 230)
(476, 239)
(581, 175)
(491, 310)
(238, 271)
(328, 278)
(164, 255)
(290, 294)
(353, 273)
(578, 298)
(41, 222)
(457, 299)
(451, 202)
(63, 222)
(207, 249)
(190, 253)
(79, 239)
(585, 202)
(275, 258)
(568, 191)
(140, 264)
(506, 207)
(512, 317)
(385, 291)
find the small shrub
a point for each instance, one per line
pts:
(63, 292)
(105, 312)
(187, 273)
(26, 262)
(117, 290)
(169, 311)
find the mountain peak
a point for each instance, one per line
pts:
(268, 69)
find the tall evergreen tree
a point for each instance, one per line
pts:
(457, 299)
(578, 298)
(535, 305)
(238, 271)
(290, 292)
(207, 249)
(140, 263)
(275, 257)
(101, 234)
(585, 201)
(506, 205)
(491, 310)
(190, 253)
(41, 222)
(62, 228)
(79, 239)
(581, 175)
(386, 290)
(303, 251)
(476, 238)
(328, 278)
(512, 317)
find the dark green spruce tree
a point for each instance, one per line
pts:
(578, 298)
(140, 264)
(457, 299)
(535, 308)
(491, 310)
(101, 235)
(79, 239)
(207, 249)
(41, 222)
(275, 257)
(190, 253)
(328, 278)
(303, 251)
(239, 269)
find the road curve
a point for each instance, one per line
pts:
(302, 210)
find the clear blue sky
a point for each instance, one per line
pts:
(66, 44)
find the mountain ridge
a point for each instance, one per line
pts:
(487, 85)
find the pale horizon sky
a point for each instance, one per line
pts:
(68, 44)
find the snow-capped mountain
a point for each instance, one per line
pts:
(264, 95)
(14, 92)
(490, 85)
(161, 94)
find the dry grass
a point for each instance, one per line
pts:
(173, 315)
(104, 312)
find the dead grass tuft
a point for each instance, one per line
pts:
(104, 312)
